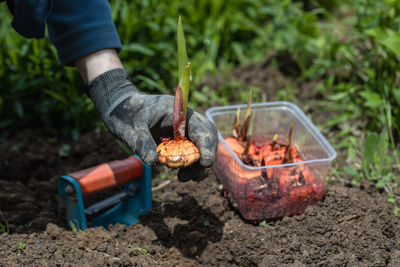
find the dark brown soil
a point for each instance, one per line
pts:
(191, 224)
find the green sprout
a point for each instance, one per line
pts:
(74, 227)
(21, 245)
(143, 250)
(265, 224)
(5, 228)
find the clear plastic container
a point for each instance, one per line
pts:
(273, 191)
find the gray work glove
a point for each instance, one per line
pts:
(141, 120)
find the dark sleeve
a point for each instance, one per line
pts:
(80, 27)
(30, 16)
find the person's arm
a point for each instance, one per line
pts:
(85, 36)
(97, 63)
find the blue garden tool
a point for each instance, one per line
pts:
(124, 207)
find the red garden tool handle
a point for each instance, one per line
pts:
(109, 175)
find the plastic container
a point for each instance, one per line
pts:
(273, 191)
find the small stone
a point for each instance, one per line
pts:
(101, 247)
(81, 244)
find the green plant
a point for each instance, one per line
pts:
(265, 224)
(5, 227)
(378, 162)
(74, 227)
(179, 152)
(396, 211)
(21, 245)
(142, 250)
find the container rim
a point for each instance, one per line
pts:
(297, 112)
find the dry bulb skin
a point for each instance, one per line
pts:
(178, 153)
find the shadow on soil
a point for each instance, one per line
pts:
(194, 227)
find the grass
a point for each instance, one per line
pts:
(5, 227)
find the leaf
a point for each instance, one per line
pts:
(372, 99)
(387, 38)
(184, 85)
(383, 142)
(350, 170)
(134, 47)
(396, 94)
(251, 124)
(179, 121)
(245, 124)
(56, 96)
(392, 43)
(248, 140)
(369, 148)
(182, 55)
(288, 156)
(19, 109)
(396, 212)
(182, 61)
(273, 143)
(236, 125)
(377, 33)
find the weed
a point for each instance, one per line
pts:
(206, 223)
(265, 224)
(21, 245)
(75, 228)
(5, 227)
(396, 211)
(142, 250)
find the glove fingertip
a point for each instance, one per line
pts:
(150, 157)
(206, 162)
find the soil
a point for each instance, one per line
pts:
(191, 224)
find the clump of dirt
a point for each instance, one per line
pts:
(190, 224)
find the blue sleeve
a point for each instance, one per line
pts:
(30, 16)
(80, 27)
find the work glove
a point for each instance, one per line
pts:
(141, 120)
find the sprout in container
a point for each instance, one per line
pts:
(179, 152)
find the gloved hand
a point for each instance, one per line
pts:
(140, 120)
